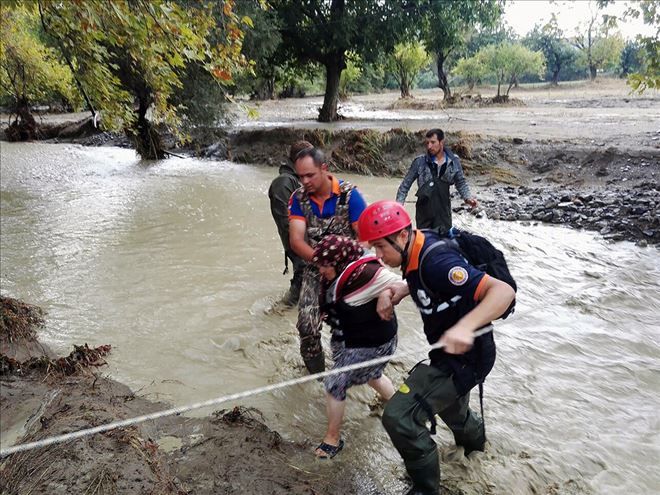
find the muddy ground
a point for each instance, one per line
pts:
(229, 452)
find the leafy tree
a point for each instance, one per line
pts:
(606, 52)
(510, 61)
(649, 75)
(472, 70)
(30, 72)
(133, 54)
(549, 39)
(350, 74)
(294, 79)
(371, 79)
(585, 40)
(632, 58)
(262, 45)
(444, 24)
(596, 52)
(405, 63)
(324, 31)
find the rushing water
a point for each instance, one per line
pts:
(177, 264)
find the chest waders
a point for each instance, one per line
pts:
(309, 315)
(433, 207)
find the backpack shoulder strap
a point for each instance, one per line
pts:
(305, 205)
(345, 189)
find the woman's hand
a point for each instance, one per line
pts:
(384, 306)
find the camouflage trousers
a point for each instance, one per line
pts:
(309, 315)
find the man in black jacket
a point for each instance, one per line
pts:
(279, 193)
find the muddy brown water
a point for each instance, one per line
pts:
(177, 265)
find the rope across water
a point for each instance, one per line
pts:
(212, 402)
(239, 395)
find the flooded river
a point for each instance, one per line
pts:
(177, 265)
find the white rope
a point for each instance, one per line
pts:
(239, 395)
(213, 402)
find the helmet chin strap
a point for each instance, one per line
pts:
(403, 252)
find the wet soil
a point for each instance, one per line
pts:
(229, 452)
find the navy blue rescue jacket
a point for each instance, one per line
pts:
(455, 287)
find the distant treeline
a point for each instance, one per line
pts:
(148, 66)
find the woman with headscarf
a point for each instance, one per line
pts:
(355, 294)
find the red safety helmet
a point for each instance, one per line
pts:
(381, 219)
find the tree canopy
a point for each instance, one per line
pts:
(325, 31)
(549, 39)
(30, 71)
(509, 61)
(405, 63)
(649, 75)
(444, 24)
(125, 52)
(471, 69)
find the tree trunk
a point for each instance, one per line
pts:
(270, 88)
(333, 70)
(405, 90)
(443, 84)
(146, 138)
(555, 77)
(512, 82)
(24, 128)
(556, 67)
(590, 44)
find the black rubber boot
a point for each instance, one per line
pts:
(293, 294)
(315, 364)
(471, 437)
(425, 475)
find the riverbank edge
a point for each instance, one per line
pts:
(229, 451)
(515, 178)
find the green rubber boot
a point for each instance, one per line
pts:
(471, 436)
(425, 475)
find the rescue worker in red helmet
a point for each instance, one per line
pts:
(454, 299)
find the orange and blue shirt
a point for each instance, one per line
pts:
(327, 208)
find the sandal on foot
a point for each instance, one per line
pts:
(329, 450)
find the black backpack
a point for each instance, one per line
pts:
(480, 253)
